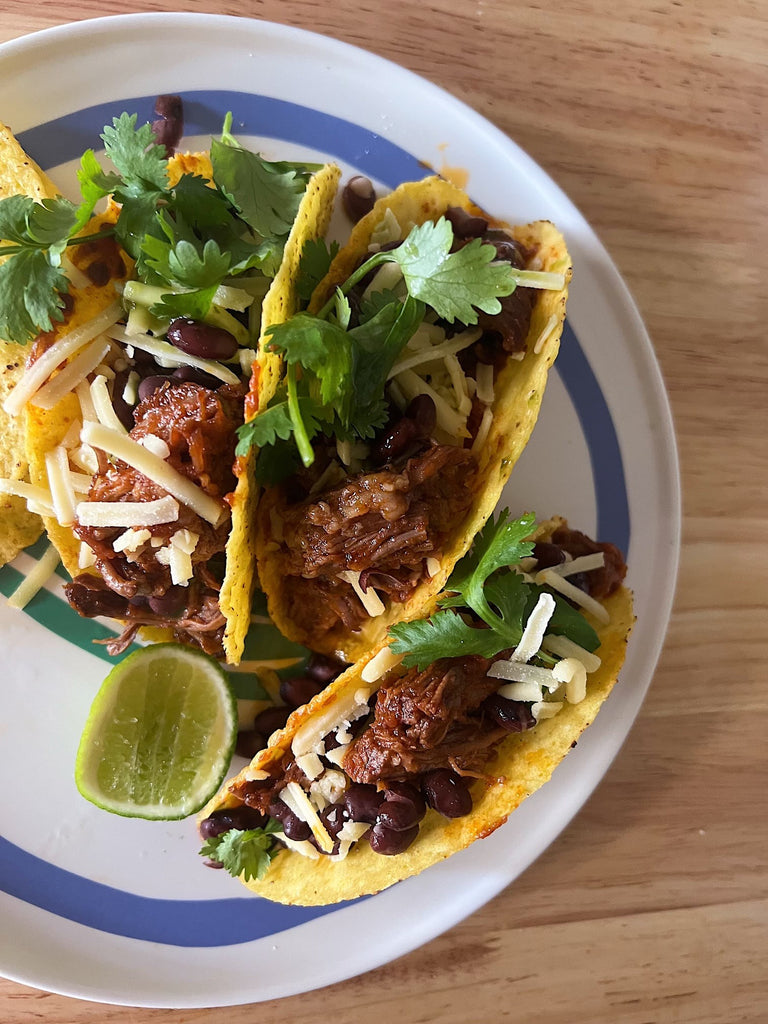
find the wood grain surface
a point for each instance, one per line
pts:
(653, 905)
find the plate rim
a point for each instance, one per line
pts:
(615, 284)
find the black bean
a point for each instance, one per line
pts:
(171, 603)
(447, 792)
(547, 554)
(203, 340)
(324, 668)
(358, 197)
(212, 863)
(423, 413)
(293, 826)
(240, 818)
(406, 793)
(388, 842)
(149, 385)
(398, 815)
(169, 129)
(465, 224)
(512, 715)
(270, 719)
(334, 818)
(123, 410)
(395, 442)
(299, 690)
(508, 249)
(362, 802)
(330, 741)
(249, 743)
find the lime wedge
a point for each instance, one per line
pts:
(159, 736)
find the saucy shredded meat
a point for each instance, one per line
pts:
(426, 720)
(198, 425)
(383, 524)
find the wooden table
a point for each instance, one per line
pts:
(653, 905)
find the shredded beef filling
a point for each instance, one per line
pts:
(426, 720)
(198, 425)
(383, 524)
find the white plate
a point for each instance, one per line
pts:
(123, 911)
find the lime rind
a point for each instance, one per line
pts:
(160, 734)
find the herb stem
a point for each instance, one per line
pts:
(357, 275)
(11, 250)
(299, 430)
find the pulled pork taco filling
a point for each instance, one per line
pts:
(139, 570)
(132, 394)
(424, 738)
(366, 517)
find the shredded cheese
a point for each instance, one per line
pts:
(380, 664)
(158, 471)
(302, 846)
(36, 579)
(128, 513)
(297, 800)
(346, 708)
(311, 765)
(436, 352)
(518, 672)
(85, 458)
(39, 372)
(483, 430)
(545, 709)
(156, 445)
(29, 492)
(369, 599)
(169, 355)
(535, 627)
(556, 581)
(433, 566)
(102, 404)
(62, 492)
(450, 420)
(131, 540)
(574, 675)
(584, 563)
(484, 377)
(86, 556)
(521, 691)
(549, 326)
(71, 375)
(565, 648)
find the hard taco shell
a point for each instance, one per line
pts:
(519, 389)
(523, 763)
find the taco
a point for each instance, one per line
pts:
(19, 176)
(432, 739)
(132, 400)
(412, 386)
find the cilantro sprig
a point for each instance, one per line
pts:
(485, 584)
(248, 852)
(187, 238)
(345, 368)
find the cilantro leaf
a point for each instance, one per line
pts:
(265, 196)
(316, 258)
(185, 263)
(444, 635)
(454, 284)
(136, 154)
(321, 347)
(500, 543)
(193, 304)
(275, 422)
(248, 853)
(30, 295)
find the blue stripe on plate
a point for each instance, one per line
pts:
(237, 920)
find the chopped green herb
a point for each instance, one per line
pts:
(248, 853)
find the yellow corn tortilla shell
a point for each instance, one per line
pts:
(523, 763)
(280, 303)
(45, 429)
(19, 176)
(519, 389)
